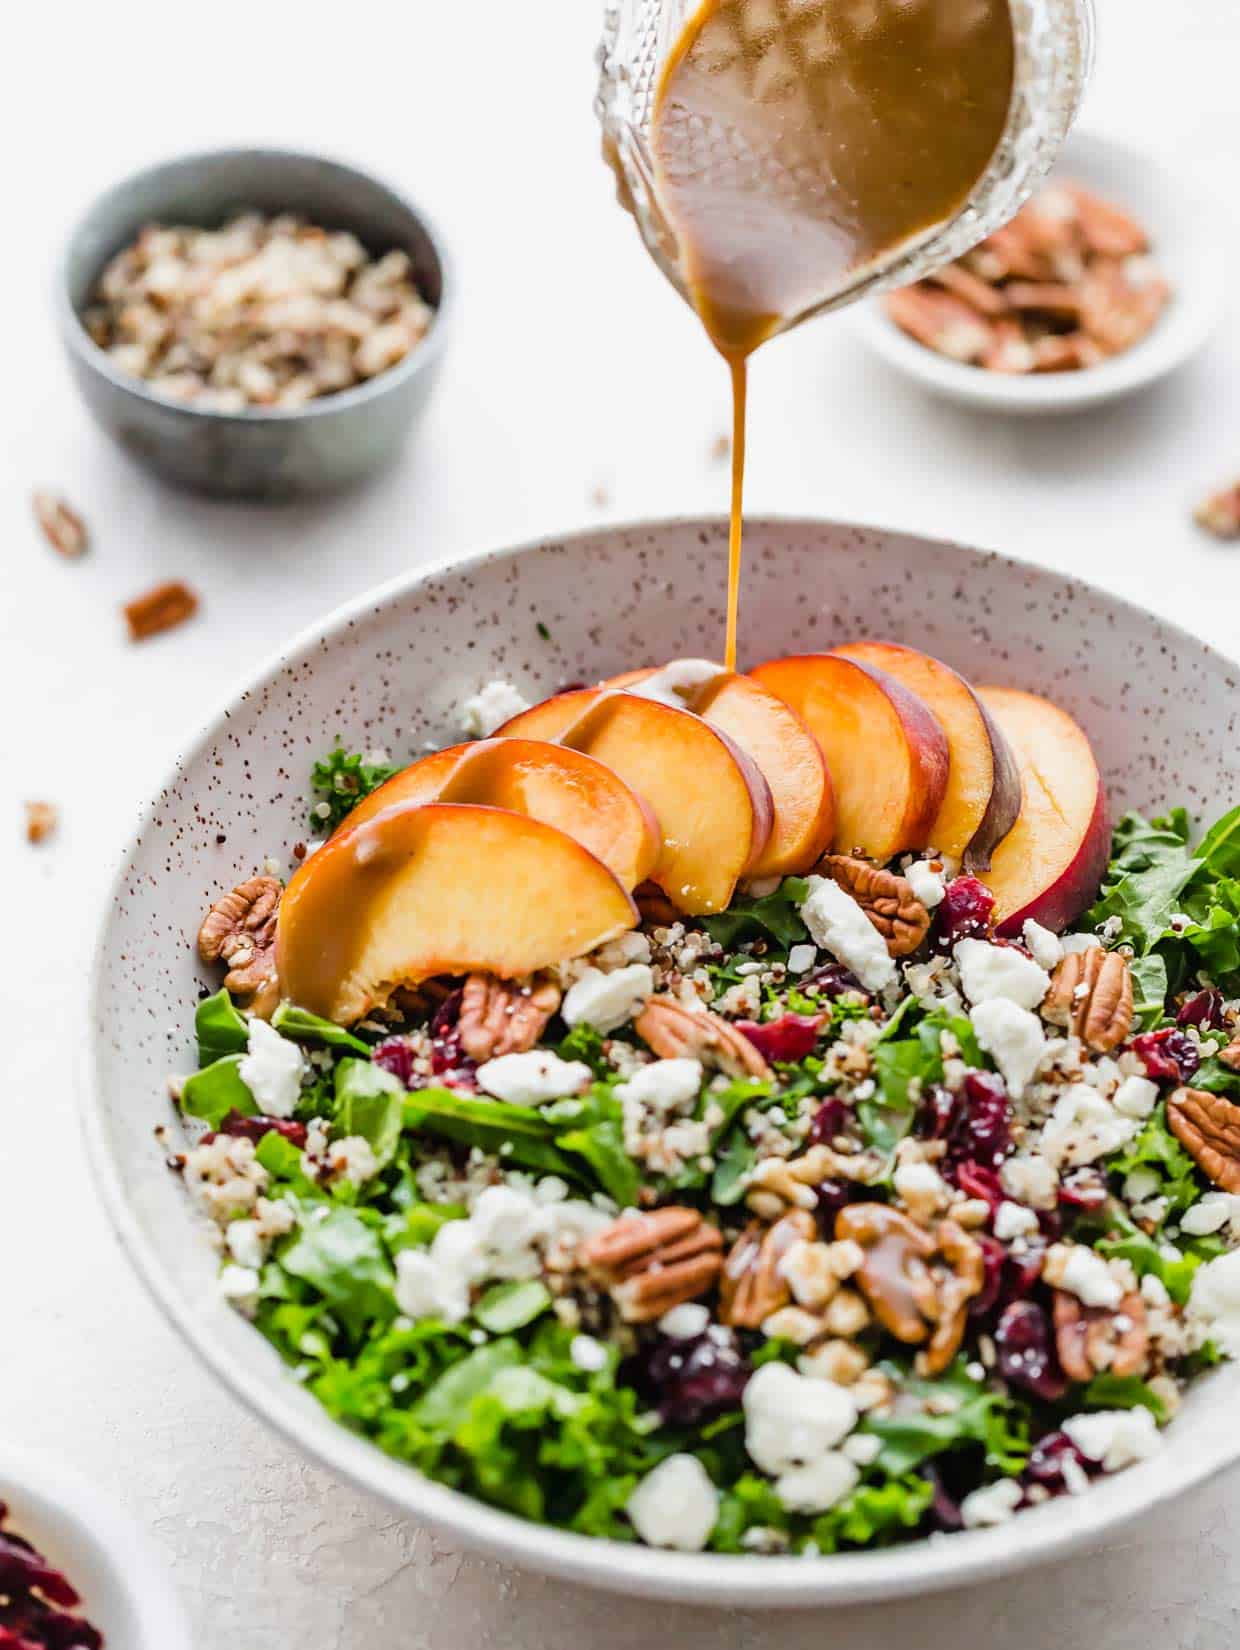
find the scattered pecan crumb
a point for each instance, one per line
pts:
(600, 496)
(162, 608)
(1220, 513)
(61, 525)
(721, 448)
(42, 819)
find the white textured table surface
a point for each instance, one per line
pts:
(573, 370)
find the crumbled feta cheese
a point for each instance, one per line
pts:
(921, 1188)
(587, 1353)
(245, 1245)
(353, 1159)
(927, 885)
(838, 924)
(801, 958)
(607, 1001)
(1045, 948)
(1211, 1213)
(1073, 943)
(991, 1505)
(1141, 1184)
(1014, 1039)
(792, 1419)
(1215, 1301)
(1135, 1097)
(1087, 1276)
(819, 1484)
(489, 708)
(1115, 1438)
(529, 1078)
(676, 1505)
(239, 1287)
(862, 1447)
(271, 1068)
(1013, 1220)
(685, 1321)
(663, 1086)
(1083, 1127)
(989, 972)
(1030, 1179)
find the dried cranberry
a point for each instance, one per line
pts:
(941, 1111)
(965, 912)
(985, 1132)
(1204, 1010)
(22, 1568)
(1169, 1056)
(447, 1014)
(830, 1119)
(791, 1037)
(691, 1380)
(396, 1056)
(945, 1511)
(449, 1061)
(976, 1180)
(830, 1198)
(1046, 1462)
(254, 1128)
(1027, 1352)
(993, 1257)
(32, 1594)
(1023, 1270)
(833, 980)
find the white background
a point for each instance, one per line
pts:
(572, 370)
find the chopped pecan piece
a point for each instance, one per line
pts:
(986, 299)
(941, 321)
(61, 526)
(918, 1282)
(1119, 305)
(240, 930)
(1090, 1339)
(886, 899)
(1045, 298)
(499, 1017)
(672, 1031)
(1010, 350)
(1091, 996)
(751, 1287)
(1208, 1128)
(41, 820)
(1230, 1056)
(652, 1262)
(159, 609)
(1106, 230)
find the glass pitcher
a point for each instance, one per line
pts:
(1054, 42)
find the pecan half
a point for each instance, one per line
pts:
(1230, 1056)
(1091, 995)
(1208, 1128)
(652, 1262)
(499, 1017)
(240, 930)
(918, 1283)
(750, 1286)
(672, 1031)
(1090, 1339)
(886, 899)
(162, 608)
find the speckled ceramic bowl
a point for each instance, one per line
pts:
(391, 669)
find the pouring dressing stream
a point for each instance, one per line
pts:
(795, 144)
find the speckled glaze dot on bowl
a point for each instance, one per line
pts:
(285, 453)
(391, 669)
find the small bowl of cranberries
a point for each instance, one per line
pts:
(76, 1573)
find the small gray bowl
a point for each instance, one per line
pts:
(329, 443)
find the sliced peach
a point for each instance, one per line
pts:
(1050, 864)
(885, 750)
(442, 888)
(713, 805)
(982, 798)
(779, 742)
(528, 776)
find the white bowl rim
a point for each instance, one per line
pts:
(133, 1561)
(1176, 338)
(1062, 1528)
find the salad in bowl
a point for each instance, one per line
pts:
(767, 1113)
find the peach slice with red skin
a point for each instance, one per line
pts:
(786, 753)
(982, 798)
(438, 888)
(713, 805)
(1050, 864)
(566, 788)
(885, 750)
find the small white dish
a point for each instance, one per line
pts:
(1180, 221)
(124, 1585)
